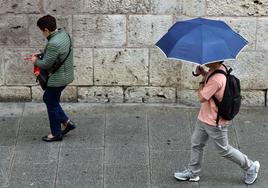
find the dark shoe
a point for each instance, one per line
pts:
(70, 126)
(54, 139)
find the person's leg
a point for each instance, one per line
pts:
(198, 142)
(220, 140)
(52, 98)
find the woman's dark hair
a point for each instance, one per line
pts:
(48, 22)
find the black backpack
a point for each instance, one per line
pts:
(231, 101)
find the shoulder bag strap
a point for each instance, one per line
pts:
(56, 66)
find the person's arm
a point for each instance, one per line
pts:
(49, 58)
(205, 92)
(201, 86)
(200, 97)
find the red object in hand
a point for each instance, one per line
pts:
(36, 70)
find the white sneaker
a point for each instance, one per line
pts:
(186, 175)
(252, 173)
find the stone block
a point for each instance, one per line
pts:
(99, 30)
(188, 97)
(20, 7)
(13, 30)
(83, 66)
(150, 95)
(262, 38)
(163, 72)
(166, 7)
(116, 6)
(100, 94)
(63, 7)
(69, 94)
(146, 30)
(188, 81)
(253, 98)
(252, 70)
(237, 8)
(194, 7)
(17, 70)
(36, 37)
(2, 67)
(246, 27)
(121, 66)
(12, 93)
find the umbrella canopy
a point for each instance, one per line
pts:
(201, 41)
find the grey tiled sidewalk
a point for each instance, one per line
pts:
(121, 146)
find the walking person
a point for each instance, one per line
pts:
(207, 127)
(58, 49)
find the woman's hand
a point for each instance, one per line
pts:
(33, 58)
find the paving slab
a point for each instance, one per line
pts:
(122, 146)
(80, 167)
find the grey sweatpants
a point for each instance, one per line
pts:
(219, 137)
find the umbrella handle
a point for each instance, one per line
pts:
(194, 74)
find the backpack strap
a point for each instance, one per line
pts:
(216, 101)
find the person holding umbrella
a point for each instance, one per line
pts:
(208, 42)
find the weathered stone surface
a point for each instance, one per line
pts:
(150, 94)
(36, 37)
(188, 81)
(253, 98)
(17, 70)
(83, 66)
(12, 93)
(99, 30)
(137, 176)
(166, 6)
(116, 6)
(252, 70)
(163, 72)
(100, 94)
(188, 97)
(194, 7)
(2, 66)
(237, 8)
(63, 7)
(69, 94)
(33, 175)
(86, 165)
(5, 162)
(13, 30)
(245, 26)
(262, 37)
(146, 30)
(121, 66)
(20, 6)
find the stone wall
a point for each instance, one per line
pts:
(114, 53)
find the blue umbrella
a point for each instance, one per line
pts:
(201, 41)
